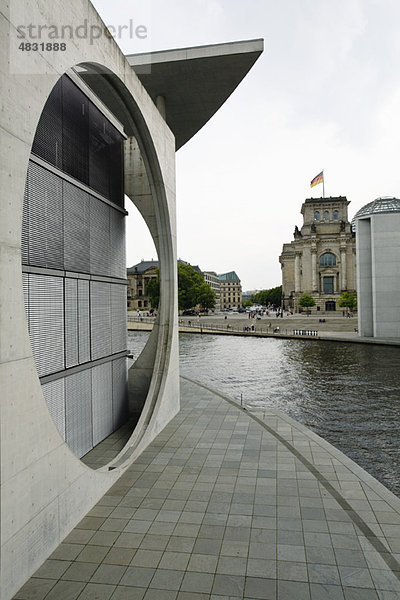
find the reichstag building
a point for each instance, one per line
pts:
(321, 259)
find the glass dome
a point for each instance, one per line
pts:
(386, 204)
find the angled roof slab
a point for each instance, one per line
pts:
(193, 83)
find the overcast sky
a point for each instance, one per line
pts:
(324, 95)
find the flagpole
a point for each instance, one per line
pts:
(323, 184)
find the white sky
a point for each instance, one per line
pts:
(324, 95)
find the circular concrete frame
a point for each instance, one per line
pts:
(45, 488)
(154, 358)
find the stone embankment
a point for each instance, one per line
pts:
(327, 328)
(267, 326)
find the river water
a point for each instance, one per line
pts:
(347, 393)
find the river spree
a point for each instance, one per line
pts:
(347, 393)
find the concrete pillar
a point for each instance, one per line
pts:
(297, 272)
(314, 270)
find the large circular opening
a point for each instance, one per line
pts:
(74, 270)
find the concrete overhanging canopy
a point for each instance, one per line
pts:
(193, 83)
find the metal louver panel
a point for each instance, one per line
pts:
(75, 131)
(54, 393)
(117, 244)
(46, 322)
(78, 405)
(118, 322)
(100, 313)
(48, 138)
(120, 392)
(116, 166)
(45, 218)
(102, 402)
(99, 151)
(99, 237)
(76, 228)
(25, 228)
(83, 321)
(71, 322)
(25, 287)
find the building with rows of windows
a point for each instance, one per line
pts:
(230, 290)
(320, 261)
(138, 277)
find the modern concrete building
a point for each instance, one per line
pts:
(138, 277)
(378, 268)
(213, 281)
(63, 370)
(320, 261)
(231, 290)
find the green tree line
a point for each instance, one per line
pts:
(192, 289)
(266, 297)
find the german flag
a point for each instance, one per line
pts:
(317, 179)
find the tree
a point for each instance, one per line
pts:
(153, 290)
(349, 300)
(306, 301)
(271, 296)
(192, 289)
(248, 302)
(206, 296)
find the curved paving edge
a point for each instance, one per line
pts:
(369, 484)
(227, 503)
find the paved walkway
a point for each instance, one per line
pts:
(229, 504)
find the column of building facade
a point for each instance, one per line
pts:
(297, 272)
(343, 265)
(314, 269)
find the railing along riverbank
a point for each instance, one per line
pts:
(260, 330)
(188, 326)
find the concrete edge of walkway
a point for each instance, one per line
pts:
(366, 478)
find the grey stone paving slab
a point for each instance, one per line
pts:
(97, 591)
(35, 589)
(93, 554)
(229, 505)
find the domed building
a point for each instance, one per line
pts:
(320, 261)
(377, 226)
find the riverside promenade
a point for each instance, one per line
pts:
(230, 503)
(336, 329)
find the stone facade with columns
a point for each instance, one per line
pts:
(320, 261)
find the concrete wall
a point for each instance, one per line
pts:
(364, 278)
(378, 275)
(385, 237)
(45, 489)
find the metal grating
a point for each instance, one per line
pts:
(25, 287)
(75, 131)
(71, 322)
(99, 237)
(46, 322)
(116, 166)
(100, 313)
(76, 228)
(102, 402)
(54, 393)
(83, 321)
(117, 244)
(25, 228)
(118, 325)
(120, 392)
(48, 138)
(99, 152)
(78, 411)
(45, 223)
